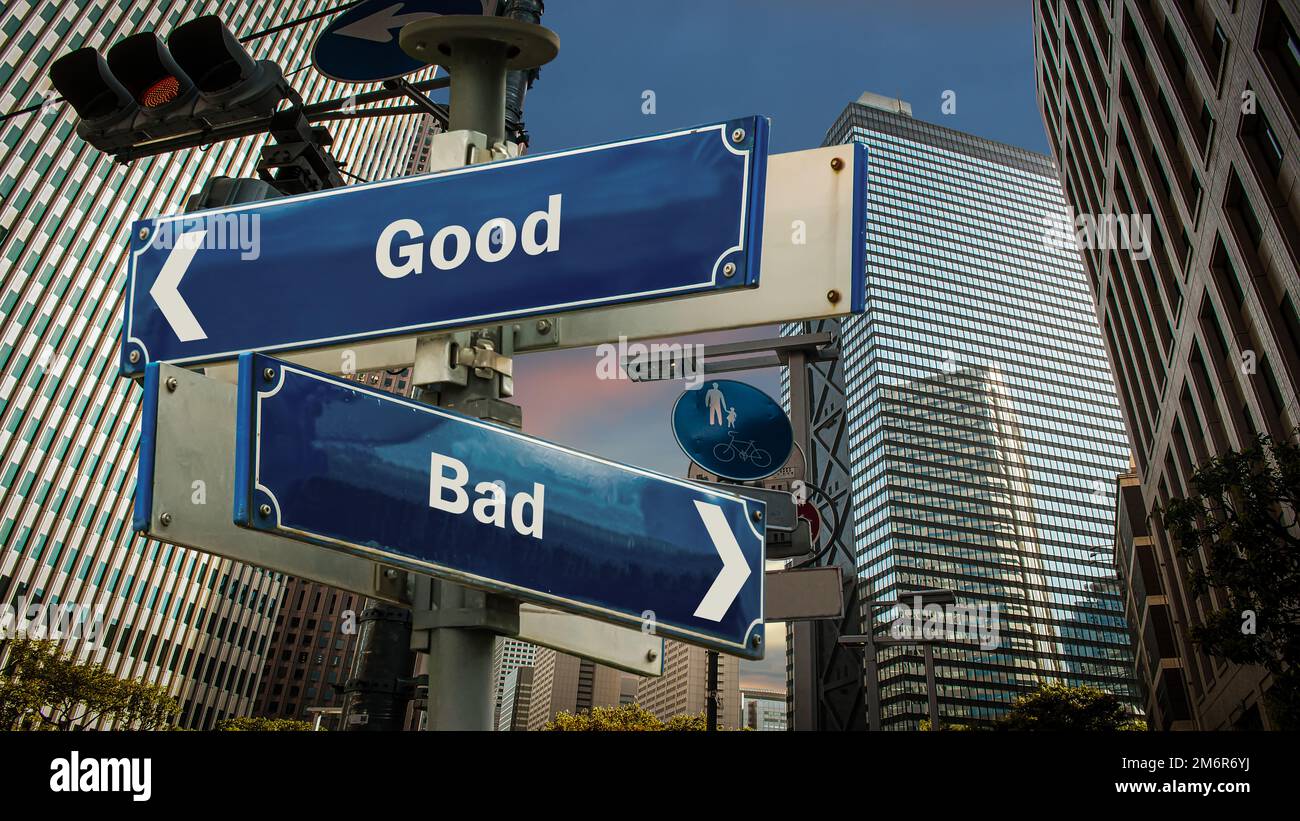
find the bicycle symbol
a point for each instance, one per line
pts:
(745, 449)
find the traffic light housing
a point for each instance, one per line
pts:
(147, 92)
(232, 86)
(104, 105)
(163, 92)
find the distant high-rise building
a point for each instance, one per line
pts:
(763, 710)
(194, 623)
(627, 690)
(682, 690)
(564, 683)
(507, 655)
(1184, 114)
(516, 700)
(310, 652)
(984, 428)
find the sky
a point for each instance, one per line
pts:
(799, 62)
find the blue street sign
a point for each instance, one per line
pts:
(360, 45)
(643, 219)
(329, 461)
(732, 429)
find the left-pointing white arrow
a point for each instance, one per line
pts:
(735, 569)
(166, 288)
(378, 27)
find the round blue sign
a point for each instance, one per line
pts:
(733, 429)
(360, 45)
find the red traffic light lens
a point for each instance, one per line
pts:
(163, 91)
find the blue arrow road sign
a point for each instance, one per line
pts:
(732, 429)
(643, 219)
(328, 461)
(360, 45)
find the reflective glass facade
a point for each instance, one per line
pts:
(985, 434)
(68, 425)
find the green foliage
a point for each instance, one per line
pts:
(1074, 709)
(45, 688)
(950, 728)
(257, 724)
(692, 723)
(1239, 536)
(625, 718)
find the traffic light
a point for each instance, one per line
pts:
(146, 92)
(104, 105)
(164, 92)
(232, 86)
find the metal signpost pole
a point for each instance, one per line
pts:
(803, 697)
(711, 692)
(873, 672)
(461, 624)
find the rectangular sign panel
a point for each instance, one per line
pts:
(813, 263)
(331, 462)
(186, 492)
(643, 219)
(805, 593)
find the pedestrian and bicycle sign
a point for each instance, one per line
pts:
(732, 429)
(646, 219)
(331, 462)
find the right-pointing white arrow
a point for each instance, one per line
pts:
(166, 288)
(735, 570)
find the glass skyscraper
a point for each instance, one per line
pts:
(68, 424)
(985, 435)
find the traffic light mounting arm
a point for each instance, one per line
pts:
(145, 100)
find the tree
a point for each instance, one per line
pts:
(1062, 707)
(624, 718)
(258, 724)
(45, 688)
(687, 723)
(1239, 536)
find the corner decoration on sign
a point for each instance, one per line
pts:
(328, 461)
(641, 220)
